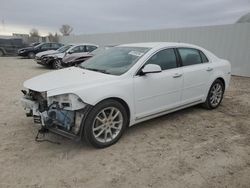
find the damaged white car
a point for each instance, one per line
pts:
(123, 86)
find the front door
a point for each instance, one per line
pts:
(158, 92)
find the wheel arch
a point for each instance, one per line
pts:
(90, 107)
(211, 83)
(206, 104)
(222, 80)
(122, 102)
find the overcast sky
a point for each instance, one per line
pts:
(99, 16)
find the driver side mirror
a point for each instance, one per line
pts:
(150, 68)
(70, 52)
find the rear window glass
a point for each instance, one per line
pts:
(190, 56)
(203, 57)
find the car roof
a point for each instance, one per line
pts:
(158, 44)
(77, 44)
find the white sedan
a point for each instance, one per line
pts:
(123, 86)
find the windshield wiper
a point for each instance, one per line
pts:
(97, 70)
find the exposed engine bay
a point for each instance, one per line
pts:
(62, 112)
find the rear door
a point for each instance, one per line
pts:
(196, 74)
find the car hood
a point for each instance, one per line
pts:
(40, 54)
(65, 78)
(56, 55)
(75, 56)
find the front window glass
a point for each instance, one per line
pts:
(55, 45)
(115, 61)
(77, 49)
(45, 46)
(166, 59)
(81, 49)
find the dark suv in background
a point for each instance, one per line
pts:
(10, 46)
(31, 51)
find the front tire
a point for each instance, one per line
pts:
(57, 64)
(31, 55)
(215, 95)
(105, 124)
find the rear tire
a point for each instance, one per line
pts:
(105, 124)
(215, 95)
(31, 55)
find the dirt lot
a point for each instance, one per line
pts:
(190, 148)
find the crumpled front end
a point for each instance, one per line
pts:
(62, 114)
(45, 60)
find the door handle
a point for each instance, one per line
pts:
(209, 69)
(177, 75)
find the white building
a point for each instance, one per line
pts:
(231, 42)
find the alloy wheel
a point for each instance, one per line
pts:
(57, 64)
(216, 94)
(107, 124)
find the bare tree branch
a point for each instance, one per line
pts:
(34, 33)
(66, 30)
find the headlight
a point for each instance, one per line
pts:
(67, 101)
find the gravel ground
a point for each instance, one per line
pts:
(190, 148)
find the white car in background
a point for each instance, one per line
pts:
(39, 55)
(123, 86)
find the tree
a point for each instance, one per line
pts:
(66, 29)
(53, 38)
(34, 33)
(34, 36)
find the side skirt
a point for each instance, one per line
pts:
(161, 113)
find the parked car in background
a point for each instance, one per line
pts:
(77, 58)
(31, 51)
(123, 86)
(55, 60)
(39, 56)
(10, 46)
(35, 43)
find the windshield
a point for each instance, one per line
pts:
(115, 61)
(39, 45)
(64, 48)
(99, 50)
(34, 44)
